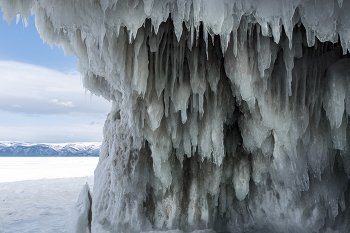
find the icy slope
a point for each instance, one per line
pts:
(16, 149)
(229, 115)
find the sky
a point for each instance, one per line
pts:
(42, 98)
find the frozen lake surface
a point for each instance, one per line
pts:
(37, 194)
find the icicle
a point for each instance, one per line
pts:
(258, 38)
(18, 17)
(310, 35)
(148, 5)
(340, 3)
(205, 34)
(234, 43)
(288, 57)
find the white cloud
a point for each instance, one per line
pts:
(39, 90)
(16, 106)
(67, 104)
(42, 105)
(52, 134)
(61, 103)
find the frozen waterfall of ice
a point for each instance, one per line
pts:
(230, 115)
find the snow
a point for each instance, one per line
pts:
(231, 116)
(14, 169)
(30, 203)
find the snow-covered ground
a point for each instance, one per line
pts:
(37, 194)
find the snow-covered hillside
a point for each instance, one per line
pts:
(16, 149)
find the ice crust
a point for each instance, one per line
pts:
(80, 216)
(227, 115)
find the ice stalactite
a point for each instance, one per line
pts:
(227, 115)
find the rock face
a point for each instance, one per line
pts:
(229, 115)
(21, 149)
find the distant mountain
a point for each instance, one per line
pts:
(22, 149)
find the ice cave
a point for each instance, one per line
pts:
(227, 116)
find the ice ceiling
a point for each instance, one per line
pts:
(227, 115)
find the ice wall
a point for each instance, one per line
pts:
(227, 115)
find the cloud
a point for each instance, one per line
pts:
(33, 89)
(43, 105)
(95, 123)
(16, 106)
(52, 134)
(65, 104)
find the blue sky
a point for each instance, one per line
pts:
(42, 98)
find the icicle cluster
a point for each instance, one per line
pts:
(227, 115)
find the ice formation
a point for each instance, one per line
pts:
(230, 115)
(80, 217)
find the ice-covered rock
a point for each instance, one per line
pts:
(80, 216)
(229, 115)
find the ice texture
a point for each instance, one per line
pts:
(230, 115)
(80, 216)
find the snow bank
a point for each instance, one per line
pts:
(227, 115)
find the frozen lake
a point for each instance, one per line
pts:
(34, 168)
(37, 194)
